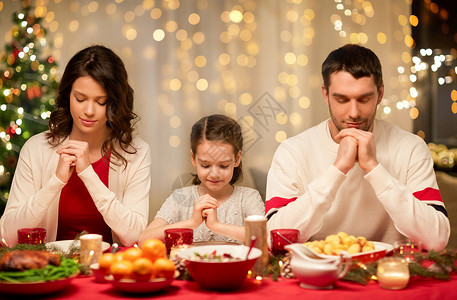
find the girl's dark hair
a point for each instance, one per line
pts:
(108, 70)
(354, 59)
(218, 128)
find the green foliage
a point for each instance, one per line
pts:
(3, 250)
(438, 265)
(67, 268)
(28, 86)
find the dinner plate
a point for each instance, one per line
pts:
(140, 287)
(66, 244)
(35, 288)
(214, 243)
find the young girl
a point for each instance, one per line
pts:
(213, 206)
(87, 172)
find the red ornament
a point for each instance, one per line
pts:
(15, 50)
(34, 92)
(10, 131)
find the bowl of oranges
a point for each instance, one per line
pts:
(137, 270)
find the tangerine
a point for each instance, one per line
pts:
(106, 260)
(121, 269)
(132, 254)
(119, 256)
(143, 269)
(154, 249)
(164, 268)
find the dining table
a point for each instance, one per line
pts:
(85, 287)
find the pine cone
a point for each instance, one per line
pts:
(180, 266)
(286, 268)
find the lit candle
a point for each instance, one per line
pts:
(393, 273)
(176, 249)
(91, 249)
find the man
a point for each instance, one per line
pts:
(353, 173)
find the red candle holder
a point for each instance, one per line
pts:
(178, 236)
(407, 249)
(32, 236)
(282, 237)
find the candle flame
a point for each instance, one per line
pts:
(258, 278)
(4, 242)
(136, 246)
(362, 265)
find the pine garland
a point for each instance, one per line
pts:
(438, 265)
(3, 250)
(433, 264)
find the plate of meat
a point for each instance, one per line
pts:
(35, 272)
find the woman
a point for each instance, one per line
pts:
(87, 172)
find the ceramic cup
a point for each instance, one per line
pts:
(91, 249)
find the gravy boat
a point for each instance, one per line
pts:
(316, 271)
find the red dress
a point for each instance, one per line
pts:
(77, 210)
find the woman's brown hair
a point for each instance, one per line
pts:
(108, 70)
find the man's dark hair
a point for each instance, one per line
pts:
(354, 59)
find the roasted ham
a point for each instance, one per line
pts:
(21, 260)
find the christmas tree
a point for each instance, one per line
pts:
(27, 90)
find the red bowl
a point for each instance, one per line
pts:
(380, 250)
(220, 275)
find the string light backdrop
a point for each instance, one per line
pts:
(257, 61)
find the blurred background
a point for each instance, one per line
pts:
(257, 61)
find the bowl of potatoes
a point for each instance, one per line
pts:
(359, 248)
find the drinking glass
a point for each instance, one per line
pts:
(178, 236)
(32, 236)
(407, 249)
(282, 237)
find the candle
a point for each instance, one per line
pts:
(176, 249)
(256, 225)
(91, 249)
(393, 273)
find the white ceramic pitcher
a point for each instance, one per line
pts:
(317, 271)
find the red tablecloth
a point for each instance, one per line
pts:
(418, 288)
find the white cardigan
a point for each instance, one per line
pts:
(35, 192)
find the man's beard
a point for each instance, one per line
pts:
(365, 126)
